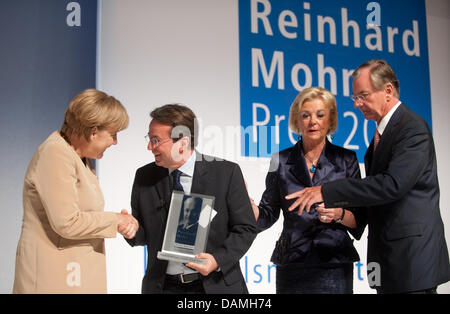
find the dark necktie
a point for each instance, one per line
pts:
(176, 174)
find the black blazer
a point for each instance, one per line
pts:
(401, 190)
(232, 230)
(305, 240)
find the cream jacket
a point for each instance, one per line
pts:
(61, 248)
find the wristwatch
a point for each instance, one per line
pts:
(342, 217)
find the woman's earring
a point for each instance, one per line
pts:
(330, 137)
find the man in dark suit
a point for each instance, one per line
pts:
(179, 166)
(401, 190)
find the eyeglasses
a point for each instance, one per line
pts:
(361, 97)
(154, 141)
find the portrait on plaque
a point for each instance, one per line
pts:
(187, 227)
(188, 221)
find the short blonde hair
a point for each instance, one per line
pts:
(312, 93)
(93, 108)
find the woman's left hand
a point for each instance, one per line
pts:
(327, 215)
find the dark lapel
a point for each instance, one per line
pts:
(299, 169)
(297, 165)
(383, 152)
(164, 191)
(368, 157)
(327, 165)
(200, 179)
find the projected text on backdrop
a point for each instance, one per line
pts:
(289, 45)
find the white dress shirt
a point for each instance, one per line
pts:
(383, 123)
(187, 173)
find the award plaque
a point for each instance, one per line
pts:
(187, 227)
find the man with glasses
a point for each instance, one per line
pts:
(400, 192)
(178, 166)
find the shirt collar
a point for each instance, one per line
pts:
(188, 167)
(384, 122)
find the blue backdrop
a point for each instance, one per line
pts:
(288, 45)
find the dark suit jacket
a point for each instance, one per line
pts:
(401, 190)
(305, 240)
(231, 233)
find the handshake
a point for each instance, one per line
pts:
(127, 225)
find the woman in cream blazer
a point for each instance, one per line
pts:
(61, 247)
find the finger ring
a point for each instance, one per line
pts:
(323, 217)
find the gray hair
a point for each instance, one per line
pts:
(381, 73)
